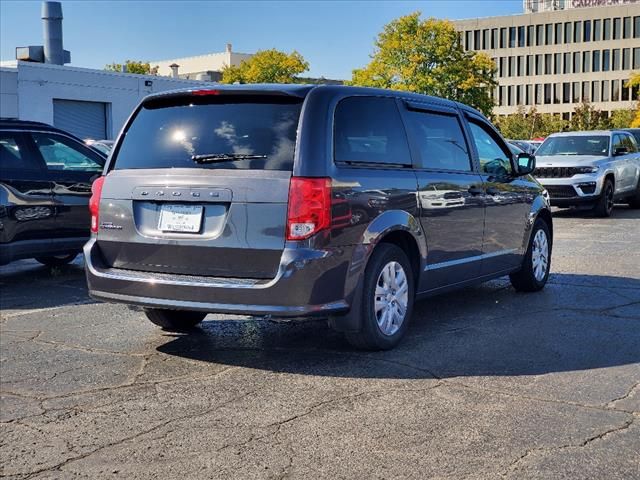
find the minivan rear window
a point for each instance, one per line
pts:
(169, 132)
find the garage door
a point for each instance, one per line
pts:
(83, 119)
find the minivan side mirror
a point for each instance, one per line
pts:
(526, 164)
(621, 151)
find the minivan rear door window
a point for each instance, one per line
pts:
(219, 132)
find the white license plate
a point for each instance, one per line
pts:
(180, 218)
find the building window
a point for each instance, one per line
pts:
(520, 62)
(539, 98)
(521, 39)
(486, 39)
(548, 64)
(586, 31)
(595, 61)
(606, 58)
(595, 91)
(636, 27)
(539, 35)
(547, 94)
(566, 92)
(467, 39)
(476, 39)
(616, 59)
(615, 90)
(625, 92)
(558, 34)
(604, 95)
(512, 37)
(503, 38)
(576, 62)
(567, 32)
(502, 71)
(597, 30)
(539, 61)
(636, 58)
(606, 30)
(577, 31)
(576, 92)
(617, 27)
(530, 36)
(494, 38)
(557, 60)
(519, 95)
(512, 66)
(566, 116)
(626, 59)
(567, 63)
(586, 61)
(585, 92)
(626, 27)
(501, 96)
(548, 34)
(557, 93)
(530, 68)
(527, 93)
(510, 95)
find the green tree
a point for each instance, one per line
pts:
(133, 66)
(634, 81)
(267, 66)
(587, 117)
(531, 124)
(426, 56)
(622, 118)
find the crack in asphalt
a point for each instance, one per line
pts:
(599, 436)
(623, 397)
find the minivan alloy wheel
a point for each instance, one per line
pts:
(540, 255)
(391, 298)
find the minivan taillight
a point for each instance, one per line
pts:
(94, 202)
(309, 207)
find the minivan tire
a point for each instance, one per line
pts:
(524, 280)
(57, 260)
(604, 205)
(370, 336)
(174, 320)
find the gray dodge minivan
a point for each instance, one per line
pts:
(299, 200)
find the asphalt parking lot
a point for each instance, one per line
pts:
(488, 384)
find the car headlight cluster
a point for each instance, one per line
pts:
(586, 169)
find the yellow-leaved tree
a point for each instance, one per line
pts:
(634, 81)
(426, 56)
(267, 66)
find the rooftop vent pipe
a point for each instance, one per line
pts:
(52, 32)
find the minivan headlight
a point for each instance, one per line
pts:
(593, 169)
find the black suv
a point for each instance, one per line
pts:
(45, 185)
(292, 201)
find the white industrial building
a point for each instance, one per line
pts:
(86, 102)
(207, 67)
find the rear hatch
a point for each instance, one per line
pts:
(199, 185)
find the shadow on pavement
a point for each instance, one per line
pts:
(619, 212)
(26, 285)
(488, 330)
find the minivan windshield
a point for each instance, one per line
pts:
(592, 145)
(252, 131)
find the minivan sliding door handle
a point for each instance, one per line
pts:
(475, 191)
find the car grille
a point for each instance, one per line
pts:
(554, 172)
(561, 191)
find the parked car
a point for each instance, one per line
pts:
(590, 169)
(524, 145)
(45, 185)
(635, 132)
(223, 201)
(103, 146)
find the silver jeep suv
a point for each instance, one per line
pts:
(590, 169)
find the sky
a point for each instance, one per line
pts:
(333, 36)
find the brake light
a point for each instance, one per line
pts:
(205, 92)
(309, 207)
(94, 202)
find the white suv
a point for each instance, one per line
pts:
(590, 169)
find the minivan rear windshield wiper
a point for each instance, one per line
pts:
(224, 157)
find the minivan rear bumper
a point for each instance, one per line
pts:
(308, 283)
